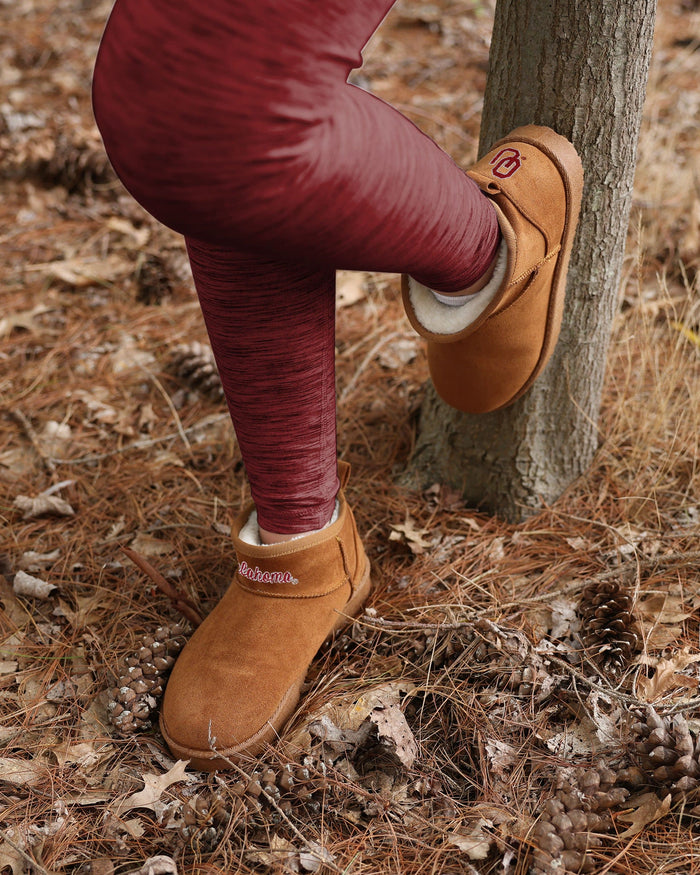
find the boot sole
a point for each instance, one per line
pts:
(565, 157)
(208, 761)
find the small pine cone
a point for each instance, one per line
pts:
(571, 821)
(609, 632)
(77, 162)
(194, 362)
(142, 678)
(668, 751)
(205, 817)
(268, 789)
(153, 280)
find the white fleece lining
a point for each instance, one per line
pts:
(250, 533)
(439, 318)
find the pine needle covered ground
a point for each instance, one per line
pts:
(515, 699)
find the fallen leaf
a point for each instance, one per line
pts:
(350, 287)
(476, 844)
(398, 353)
(153, 787)
(646, 808)
(160, 865)
(314, 857)
(133, 827)
(24, 319)
(502, 756)
(42, 504)
(32, 587)
(139, 236)
(8, 666)
(662, 608)
(101, 866)
(667, 676)
(22, 773)
(55, 437)
(80, 272)
(411, 535)
(564, 618)
(82, 754)
(282, 853)
(33, 561)
(11, 858)
(147, 545)
(393, 730)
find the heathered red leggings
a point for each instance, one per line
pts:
(232, 122)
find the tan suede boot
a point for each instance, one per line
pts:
(238, 679)
(487, 352)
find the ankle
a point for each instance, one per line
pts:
(267, 537)
(255, 534)
(456, 299)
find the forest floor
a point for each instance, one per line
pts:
(516, 697)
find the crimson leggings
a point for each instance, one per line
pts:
(232, 122)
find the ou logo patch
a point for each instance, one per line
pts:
(506, 162)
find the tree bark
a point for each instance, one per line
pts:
(582, 69)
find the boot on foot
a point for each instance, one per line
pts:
(485, 353)
(238, 679)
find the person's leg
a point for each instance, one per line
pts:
(241, 132)
(272, 329)
(234, 124)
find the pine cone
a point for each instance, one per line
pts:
(78, 163)
(572, 820)
(142, 679)
(669, 754)
(195, 363)
(153, 280)
(609, 632)
(246, 800)
(204, 818)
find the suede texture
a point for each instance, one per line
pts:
(493, 360)
(238, 679)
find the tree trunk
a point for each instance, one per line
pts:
(580, 68)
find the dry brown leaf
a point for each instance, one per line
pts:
(32, 587)
(32, 561)
(350, 287)
(147, 545)
(667, 676)
(476, 844)
(410, 534)
(153, 787)
(502, 756)
(314, 857)
(662, 607)
(11, 858)
(646, 808)
(24, 319)
(80, 272)
(22, 773)
(160, 865)
(282, 854)
(40, 505)
(139, 236)
(393, 728)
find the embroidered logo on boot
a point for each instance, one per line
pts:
(258, 576)
(506, 162)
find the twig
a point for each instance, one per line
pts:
(180, 602)
(33, 437)
(176, 416)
